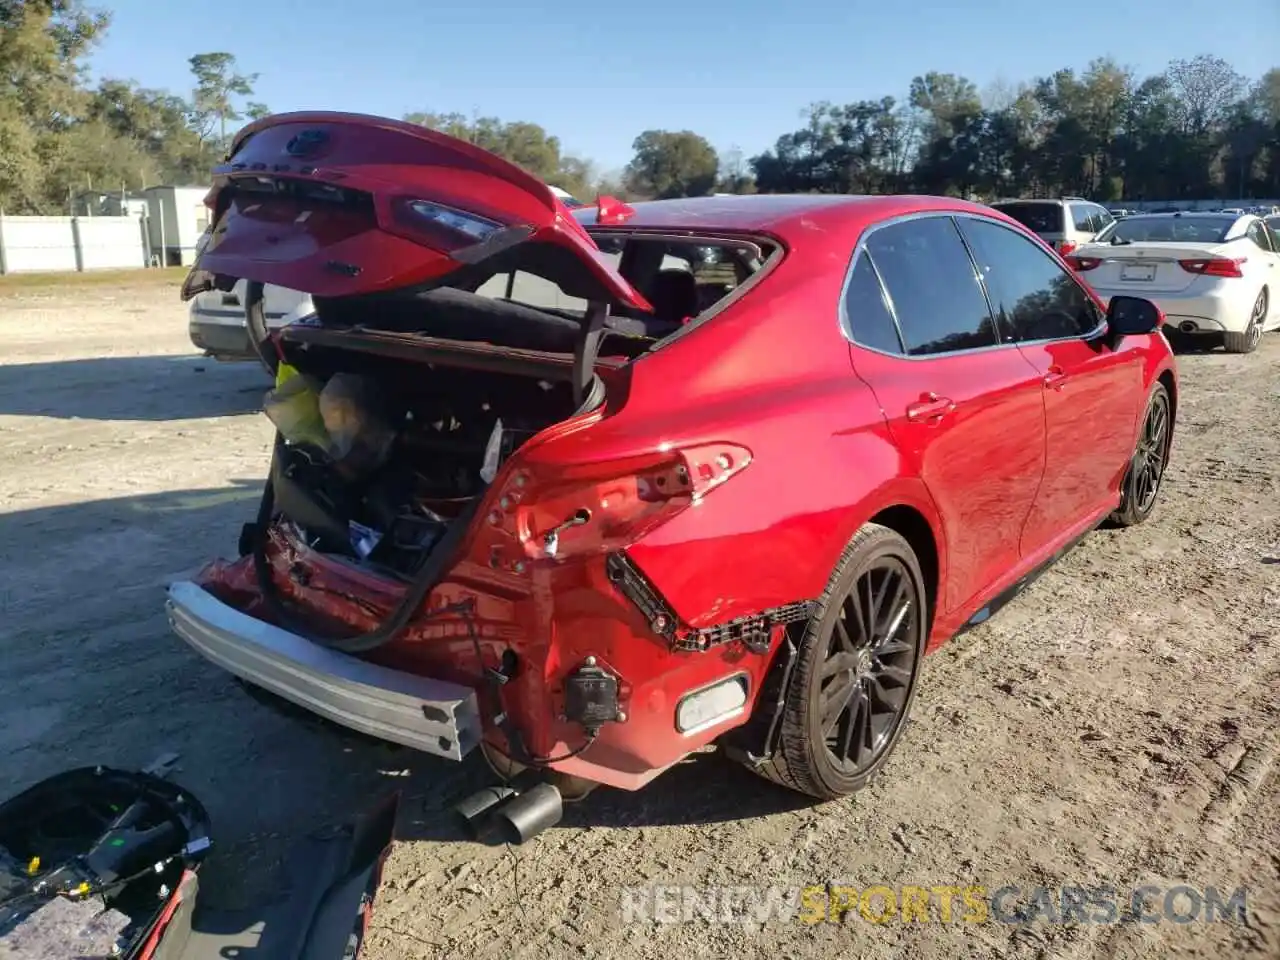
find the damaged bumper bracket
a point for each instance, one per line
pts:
(433, 716)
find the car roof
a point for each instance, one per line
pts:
(778, 213)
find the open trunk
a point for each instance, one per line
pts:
(424, 367)
(385, 447)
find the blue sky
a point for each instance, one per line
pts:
(597, 74)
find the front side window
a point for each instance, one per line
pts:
(932, 287)
(1032, 295)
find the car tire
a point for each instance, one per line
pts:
(1140, 488)
(881, 673)
(1247, 342)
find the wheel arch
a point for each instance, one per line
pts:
(912, 525)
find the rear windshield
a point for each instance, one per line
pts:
(1169, 228)
(1037, 217)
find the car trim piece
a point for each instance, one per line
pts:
(860, 248)
(434, 716)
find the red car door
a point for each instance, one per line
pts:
(1093, 390)
(967, 414)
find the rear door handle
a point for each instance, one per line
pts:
(929, 407)
(1055, 378)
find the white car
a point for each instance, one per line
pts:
(216, 323)
(1211, 273)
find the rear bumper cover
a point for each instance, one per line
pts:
(1209, 312)
(222, 338)
(433, 716)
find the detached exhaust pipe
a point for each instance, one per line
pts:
(510, 813)
(530, 813)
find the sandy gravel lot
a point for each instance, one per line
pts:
(1118, 725)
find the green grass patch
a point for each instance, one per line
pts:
(17, 283)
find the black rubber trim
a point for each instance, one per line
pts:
(438, 561)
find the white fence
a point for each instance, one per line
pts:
(69, 244)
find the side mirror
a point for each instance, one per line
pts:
(1132, 316)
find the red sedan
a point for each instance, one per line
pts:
(589, 490)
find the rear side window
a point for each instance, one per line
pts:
(932, 287)
(1034, 298)
(1082, 217)
(867, 315)
(1258, 234)
(1037, 217)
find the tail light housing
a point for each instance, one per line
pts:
(1066, 246)
(1082, 264)
(1214, 267)
(597, 508)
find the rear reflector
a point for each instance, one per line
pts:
(712, 705)
(1214, 267)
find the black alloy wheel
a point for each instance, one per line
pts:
(856, 670)
(866, 678)
(1146, 468)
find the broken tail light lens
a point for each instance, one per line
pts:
(602, 507)
(1066, 246)
(1214, 267)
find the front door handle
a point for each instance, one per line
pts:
(1056, 378)
(930, 407)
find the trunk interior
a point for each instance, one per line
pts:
(383, 449)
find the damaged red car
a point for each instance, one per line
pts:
(589, 490)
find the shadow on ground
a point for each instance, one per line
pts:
(174, 387)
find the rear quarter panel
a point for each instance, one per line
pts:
(772, 374)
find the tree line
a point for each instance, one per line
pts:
(1198, 129)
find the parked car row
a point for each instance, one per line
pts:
(1214, 274)
(571, 538)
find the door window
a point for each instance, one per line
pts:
(866, 314)
(1033, 297)
(1258, 234)
(1082, 217)
(932, 287)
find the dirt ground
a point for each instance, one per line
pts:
(1119, 724)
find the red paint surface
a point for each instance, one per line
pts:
(1012, 470)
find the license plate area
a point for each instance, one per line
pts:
(1138, 272)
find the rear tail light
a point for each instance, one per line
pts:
(1214, 267)
(1081, 264)
(602, 507)
(463, 236)
(1066, 246)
